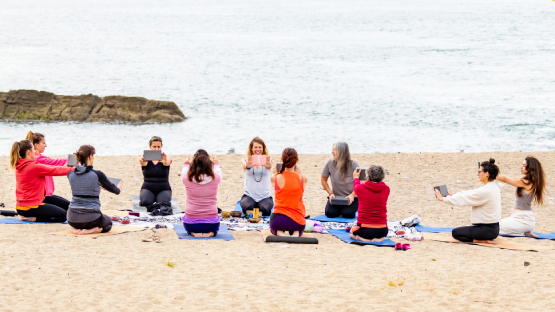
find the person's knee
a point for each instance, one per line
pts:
(107, 228)
(247, 204)
(332, 213)
(165, 196)
(349, 214)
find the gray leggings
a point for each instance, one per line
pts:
(147, 197)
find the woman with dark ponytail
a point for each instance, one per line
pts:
(486, 207)
(530, 188)
(288, 218)
(30, 177)
(39, 143)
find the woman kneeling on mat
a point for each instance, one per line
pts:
(30, 185)
(39, 143)
(156, 186)
(339, 169)
(288, 218)
(486, 207)
(372, 211)
(258, 191)
(84, 214)
(201, 177)
(530, 187)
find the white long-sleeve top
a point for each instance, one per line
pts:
(485, 202)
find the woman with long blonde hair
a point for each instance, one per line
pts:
(257, 186)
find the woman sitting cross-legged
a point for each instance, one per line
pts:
(288, 218)
(156, 186)
(530, 188)
(84, 214)
(201, 177)
(258, 191)
(372, 210)
(340, 170)
(30, 185)
(486, 207)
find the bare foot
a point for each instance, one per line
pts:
(91, 231)
(361, 239)
(296, 234)
(378, 240)
(210, 234)
(476, 241)
(196, 234)
(530, 234)
(30, 219)
(77, 231)
(283, 233)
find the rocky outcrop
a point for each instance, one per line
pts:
(46, 106)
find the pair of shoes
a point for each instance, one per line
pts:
(403, 247)
(153, 238)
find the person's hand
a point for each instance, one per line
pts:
(449, 194)
(214, 159)
(142, 161)
(356, 174)
(249, 162)
(120, 184)
(268, 162)
(165, 159)
(331, 196)
(438, 195)
(190, 158)
(351, 198)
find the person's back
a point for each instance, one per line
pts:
(202, 198)
(289, 199)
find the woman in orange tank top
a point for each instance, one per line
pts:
(288, 218)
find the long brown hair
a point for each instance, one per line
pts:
(289, 158)
(259, 141)
(535, 176)
(200, 165)
(35, 137)
(19, 151)
(83, 154)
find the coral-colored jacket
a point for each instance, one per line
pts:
(45, 160)
(30, 181)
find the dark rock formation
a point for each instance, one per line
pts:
(46, 106)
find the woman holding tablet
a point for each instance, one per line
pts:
(201, 177)
(30, 185)
(529, 188)
(39, 143)
(84, 214)
(340, 169)
(486, 207)
(288, 218)
(257, 187)
(156, 186)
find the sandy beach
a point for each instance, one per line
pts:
(42, 272)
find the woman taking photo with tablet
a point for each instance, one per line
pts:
(39, 143)
(257, 187)
(156, 186)
(30, 185)
(530, 188)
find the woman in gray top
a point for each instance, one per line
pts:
(258, 192)
(530, 188)
(84, 214)
(340, 169)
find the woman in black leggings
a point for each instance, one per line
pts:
(156, 186)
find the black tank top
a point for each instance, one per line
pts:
(156, 177)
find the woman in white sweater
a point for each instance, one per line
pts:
(486, 207)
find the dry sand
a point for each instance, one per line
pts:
(46, 272)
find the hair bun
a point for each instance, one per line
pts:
(492, 161)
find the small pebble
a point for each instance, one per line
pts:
(285, 246)
(526, 263)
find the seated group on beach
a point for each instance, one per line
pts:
(201, 175)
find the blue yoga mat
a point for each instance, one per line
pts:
(223, 233)
(431, 229)
(239, 208)
(344, 236)
(323, 218)
(16, 221)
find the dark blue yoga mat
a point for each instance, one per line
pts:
(223, 233)
(344, 236)
(16, 221)
(431, 229)
(239, 208)
(323, 218)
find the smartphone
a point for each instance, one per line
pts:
(442, 189)
(258, 160)
(71, 160)
(152, 155)
(115, 181)
(362, 173)
(278, 167)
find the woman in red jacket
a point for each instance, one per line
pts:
(30, 185)
(372, 206)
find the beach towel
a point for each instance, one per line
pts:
(307, 238)
(223, 233)
(114, 231)
(136, 208)
(346, 237)
(503, 243)
(16, 221)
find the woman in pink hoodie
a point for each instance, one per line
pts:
(30, 185)
(39, 143)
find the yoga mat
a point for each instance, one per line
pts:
(431, 229)
(239, 208)
(136, 208)
(223, 233)
(503, 243)
(346, 237)
(16, 221)
(115, 230)
(307, 238)
(119, 213)
(323, 218)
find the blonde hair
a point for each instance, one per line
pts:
(259, 141)
(19, 151)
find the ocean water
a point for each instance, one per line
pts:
(384, 76)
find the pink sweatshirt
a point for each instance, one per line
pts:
(45, 160)
(201, 197)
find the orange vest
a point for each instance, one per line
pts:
(289, 200)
